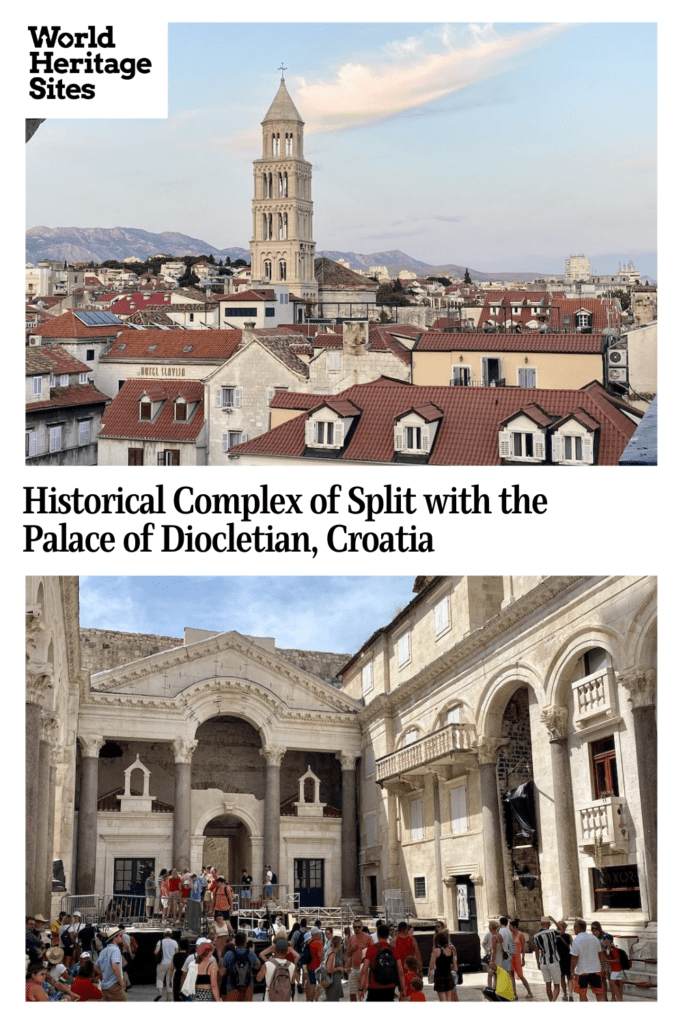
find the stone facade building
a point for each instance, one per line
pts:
(491, 749)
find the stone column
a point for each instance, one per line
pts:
(451, 917)
(271, 830)
(642, 685)
(182, 802)
(349, 844)
(555, 718)
(87, 814)
(47, 726)
(55, 755)
(38, 682)
(437, 843)
(487, 754)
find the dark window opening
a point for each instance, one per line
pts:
(604, 761)
(616, 888)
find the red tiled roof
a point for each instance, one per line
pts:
(530, 341)
(69, 326)
(468, 432)
(267, 295)
(52, 359)
(170, 344)
(122, 418)
(559, 311)
(76, 394)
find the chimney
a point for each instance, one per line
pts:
(356, 336)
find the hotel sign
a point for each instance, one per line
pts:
(161, 371)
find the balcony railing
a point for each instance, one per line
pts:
(602, 821)
(593, 696)
(437, 746)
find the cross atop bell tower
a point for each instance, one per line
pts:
(282, 246)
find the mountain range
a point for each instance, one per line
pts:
(85, 245)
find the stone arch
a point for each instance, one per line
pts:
(558, 678)
(498, 691)
(642, 635)
(240, 698)
(222, 803)
(411, 727)
(468, 715)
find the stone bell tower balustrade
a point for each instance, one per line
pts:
(445, 747)
(594, 696)
(603, 820)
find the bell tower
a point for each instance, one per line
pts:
(282, 246)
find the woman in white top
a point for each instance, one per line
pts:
(168, 947)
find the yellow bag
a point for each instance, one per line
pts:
(504, 984)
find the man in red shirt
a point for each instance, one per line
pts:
(381, 971)
(355, 951)
(315, 946)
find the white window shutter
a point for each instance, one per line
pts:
(271, 394)
(33, 442)
(237, 398)
(587, 449)
(219, 398)
(225, 442)
(504, 444)
(425, 438)
(310, 432)
(539, 444)
(243, 438)
(339, 433)
(416, 826)
(557, 447)
(459, 810)
(398, 439)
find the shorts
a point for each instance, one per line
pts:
(115, 994)
(444, 982)
(551, 973)
(616, 975)
(354, 978)
(311, 976)
(594, 980)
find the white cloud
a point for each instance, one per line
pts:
(411, 73)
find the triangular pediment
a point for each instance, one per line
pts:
(224, 662)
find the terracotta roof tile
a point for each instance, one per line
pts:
(122, 418)
(332, 275)
(172, 344)
(69, 326)
(529, 341)
(468, 432)
(52, 359)
(265, 295)
(76, 394)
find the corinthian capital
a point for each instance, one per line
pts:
(554, 718)
(38, 681)
(48, 728)
(487, 748)
(91, 744)
(34, 627)
(641, 684)
(183, 750)
(347, 761)
(273, 755)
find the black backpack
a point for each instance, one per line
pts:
(273, 880)
(385, 971)
(240, 975)
(298, 940)
(624, 961)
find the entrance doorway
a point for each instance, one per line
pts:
(309, 882)
(227, 847)
(129, 882)
(465, 904)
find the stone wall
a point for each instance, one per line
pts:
(102, 649)
(322, 664)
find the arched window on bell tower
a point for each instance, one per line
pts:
(270, 225)
(264, 187)
(267, 270)
(280, 186)
(264, 233)
(276, 144)
(283, 270)
(284, 225)
(270, 186)
(286, 185)
(288, 144)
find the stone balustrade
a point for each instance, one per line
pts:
(602, 819)
(437, 746)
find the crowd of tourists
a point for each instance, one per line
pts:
(588, 960)
(86, 962)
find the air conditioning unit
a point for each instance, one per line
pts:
(617, 357)
(618, 375)
(34, 339)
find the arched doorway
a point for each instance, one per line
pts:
(227, 846)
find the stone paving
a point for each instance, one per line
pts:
(469, 992)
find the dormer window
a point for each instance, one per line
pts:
(64, 380)
(572, 449)
(181, 411)
(324, 433)
(522, 445)
(415, 430)
(145, 410)
(83, 378)
(414, 438)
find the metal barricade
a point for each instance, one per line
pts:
(396, 905)
(89, 906)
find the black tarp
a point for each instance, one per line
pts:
(519, 805)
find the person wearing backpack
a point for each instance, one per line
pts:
(239, 969)
(381, 972)
(617, 962)
(279, 973)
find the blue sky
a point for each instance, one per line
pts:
(336, 613)
(494, 146)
